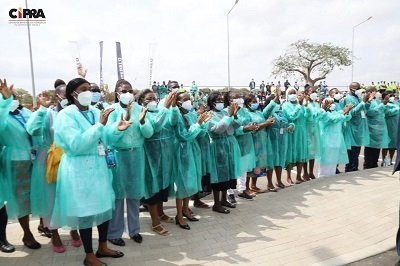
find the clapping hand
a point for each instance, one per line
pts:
(204, 117)
(5, 90)
(142, 116)
(104, 116)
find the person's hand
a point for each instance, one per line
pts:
(290, 129)
(270, 121)
(371, 96)
(251, 127)
(347, 109)
(104, 116)
(142, 116)
(5, 90)
(202, 109)
(174, 100)
(233, 109)
(326, 104)
(128, 112)
(204, 117)
(169, 99)
(386, 100)
(123, 123)
(44, 101)
(81, 71)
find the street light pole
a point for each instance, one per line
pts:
(30, 56)
(352, 47)
(227, 25)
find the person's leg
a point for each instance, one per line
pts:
(179, 215)
(348, 166)
(4, 245)
(103, 250)
(289, 174)
(311, 164)
(384, 154)
(368, 160)
(299, 167)
(186, 211)
(356, 154)
(86, 236)
(28, 238)
(391, 154)
(132, 207)
(306, 176)
(374, 157)
(278, 173)
(116, 224)
(270, 185)
(155, 220)
(43, 229)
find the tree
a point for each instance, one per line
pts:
(24, 97)
(313, 61)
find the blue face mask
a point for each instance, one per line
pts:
(96, 97)
(254, 106)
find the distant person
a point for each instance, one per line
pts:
(194, 89)
(268, 88)
(252, 84)
(296, 86)
(286, 84)
(262, 86)
(278, 85)
(154, 88)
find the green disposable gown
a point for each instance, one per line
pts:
(225, 151)
(128, 175)
(162, 91)
(378, 132)
(297, 143)
(313, 130)
(160, 151)
(16, 158)
(245, 141)
(277, 136)
(40, 126)
(84, 195)
(392, 119)
(332, 144)
(356, 130)
(260, 140)
(188, 180)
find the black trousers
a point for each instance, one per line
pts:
(86, 236)
(371, 157)
(353, 154)
(3, 223)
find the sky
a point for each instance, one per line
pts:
(189, 39)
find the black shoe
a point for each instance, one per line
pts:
(6, 247)
(245, 195)
(231, 199)
(118, 254)
(117, 241)
(183, 226)
(137, 238)
(192, 219)
(33, 245)
(44, 231)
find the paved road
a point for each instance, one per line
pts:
(328, 221)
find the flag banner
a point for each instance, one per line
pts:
(120, 66)
(101, 66)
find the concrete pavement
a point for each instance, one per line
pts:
(328, 221)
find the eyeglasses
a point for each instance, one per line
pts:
(125, 91)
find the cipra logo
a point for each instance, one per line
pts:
(21, 16)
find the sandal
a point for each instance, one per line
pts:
(272, 190)
(220, 209)
(165, 218)
(161, 231)
(281, 186)
(257, 190)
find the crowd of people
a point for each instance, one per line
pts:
(76, 163)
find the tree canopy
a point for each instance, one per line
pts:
(313, 61)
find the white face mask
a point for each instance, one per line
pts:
(332, 107)
(85, 98)
(313, 96)
(187, 105)
(126, 98)
(359, 93)
(337, 96)
(96, 96)
(219, 106)
(292, 97)
(378, 96)
(239, 101)
(152, 106)
(391, 99)
(63, 103)
(14, 105)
